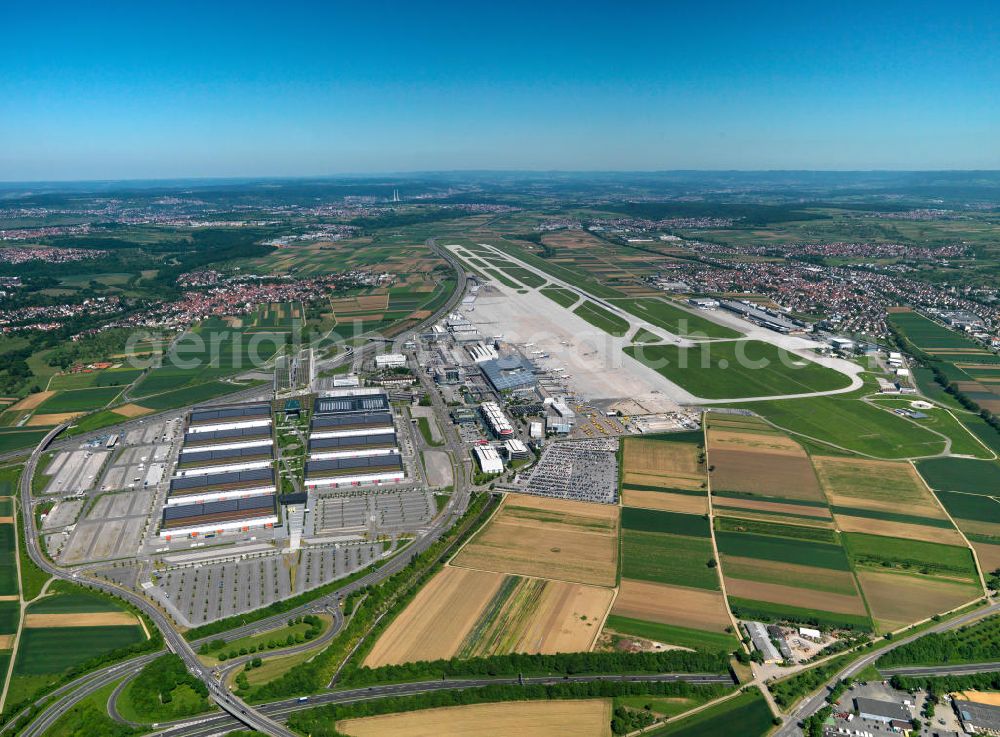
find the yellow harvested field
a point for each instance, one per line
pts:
(780, 475)
(980, 697)
(548, 538)
(905, 530)
(795, 596)
(897, 599)
(52, 419)
(691, 481)
(79, 619)
(789, 574)
(591, 718)
(6, 642)
(656, 457)
(6, 521)
(888, 486)
(763, 505)
(677, 605)
(131, 410)
(665, 501)
(363, 303)
(989, 555)
(758, 440)
(436, 622)
(32, 400)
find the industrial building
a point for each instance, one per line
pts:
(210, 518)
(496, 420)
(509, 373)
(354, 471)
(761, 640)
(480, 353)
(210, 487)
(489, 459)
(390, 361)
(978, 718)
(761, 317)
(882, 711)
(515, 448)
(352, 441)
(226, 460)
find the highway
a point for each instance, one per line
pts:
(280, 710)
(231, 704)
(814, 703)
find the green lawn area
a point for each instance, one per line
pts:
(107, 377)
(560, 295)
(962, 440)
(676, 320)
(673, 559)
(68, 599)
(736, 369)
(425, 430)
(78, 400)
(851, 424)
(601, 318)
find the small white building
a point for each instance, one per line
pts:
(810, 634)
(390, 360)
(489, 459)
(536, 430)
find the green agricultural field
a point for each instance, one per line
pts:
(107, 377)
(52, 650)
(9, 477)
(776, 529)
(927, 335)
(961, 474)
(601, 318)
(681, 636)
(748, 710)
(8, 561)
(676, 320)
(783, 550)
(982, 430)
(78, 400)
(648, 520)
(562, 296)
(974, 507)
(910, 519)
(932, 390)
(14, 439)
(737, 369)
(674, 559)
(852, 424)
(893, 552)
(68, 600)
(10, 616)
(192, 394)
(770, 612)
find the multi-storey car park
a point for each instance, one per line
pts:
(497, 420)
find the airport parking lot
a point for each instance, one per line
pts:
(374, 511)
(586, 470)
(322, 564)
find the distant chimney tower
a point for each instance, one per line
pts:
(395, 195)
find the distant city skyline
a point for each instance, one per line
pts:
(235, 90)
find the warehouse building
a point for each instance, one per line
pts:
(347, 401)
(209, 487)
(978, 718)
(390, 361)
(229, 459)
(352, 446)
(229, 417)
(339, 472)
(761, 640)
(342, 426)
(243, 437)
(496, 420)
(218, 517)
(489, 459)
(882, 711)
(515, 449)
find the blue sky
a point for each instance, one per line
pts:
(176, 89)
